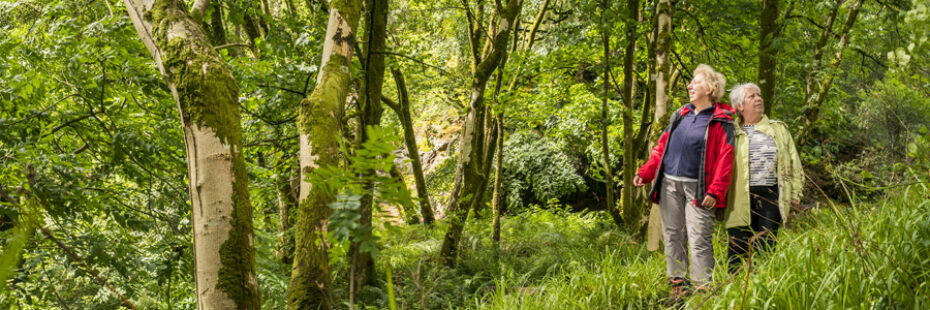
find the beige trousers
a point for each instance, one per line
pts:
(686, 227)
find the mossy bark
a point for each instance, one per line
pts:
(465, 193)
(207, 96)
(320, 114)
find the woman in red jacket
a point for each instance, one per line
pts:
(690, 173)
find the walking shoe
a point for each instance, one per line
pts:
(681, 289)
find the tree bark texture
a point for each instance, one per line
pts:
(207, 96)
(370, 109)
(320, 114)
(768, 52)
(464, 194)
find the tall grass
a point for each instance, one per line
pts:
(865, 256)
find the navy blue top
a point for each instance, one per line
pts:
(686, 144)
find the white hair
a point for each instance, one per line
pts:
(738, 93)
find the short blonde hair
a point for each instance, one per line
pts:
(713, 81)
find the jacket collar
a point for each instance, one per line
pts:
(763, 126)
(722, 111)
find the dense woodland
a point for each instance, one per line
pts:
(372, 154)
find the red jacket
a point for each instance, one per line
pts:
(717, 163)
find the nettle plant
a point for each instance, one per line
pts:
(347, 184)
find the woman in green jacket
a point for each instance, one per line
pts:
(767, 177)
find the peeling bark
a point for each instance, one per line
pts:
(207, 96)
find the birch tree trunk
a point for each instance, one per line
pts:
(319, 124)
(207, 97)
(464, 194)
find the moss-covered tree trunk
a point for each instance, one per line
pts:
(319, 124)
(464, 194)
(632, 213)
(768, 53)
(660, 117)
(362, 264)
(402, 108)
(207, 97)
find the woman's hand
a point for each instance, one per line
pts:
(708, 202)
(638, 182)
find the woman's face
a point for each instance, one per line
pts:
(697, 90)
(752, 108)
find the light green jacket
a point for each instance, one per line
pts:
(790, 173)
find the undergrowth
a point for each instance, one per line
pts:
(865, 256)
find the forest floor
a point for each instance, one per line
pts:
(862, 255)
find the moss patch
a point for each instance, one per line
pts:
(208, 97)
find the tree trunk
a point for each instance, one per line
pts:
(768, 53)
(207, 96)
(320, 114)
(286, 172)
(464, 193)
(632, 214)
(402, 108)
(363, 265)
(605, 142)
(815, 98)
(660, 118)
(498, 175)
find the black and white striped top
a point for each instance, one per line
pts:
(763, 163)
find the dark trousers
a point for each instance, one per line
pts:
(765, 220)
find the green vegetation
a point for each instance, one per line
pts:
(95, 189)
